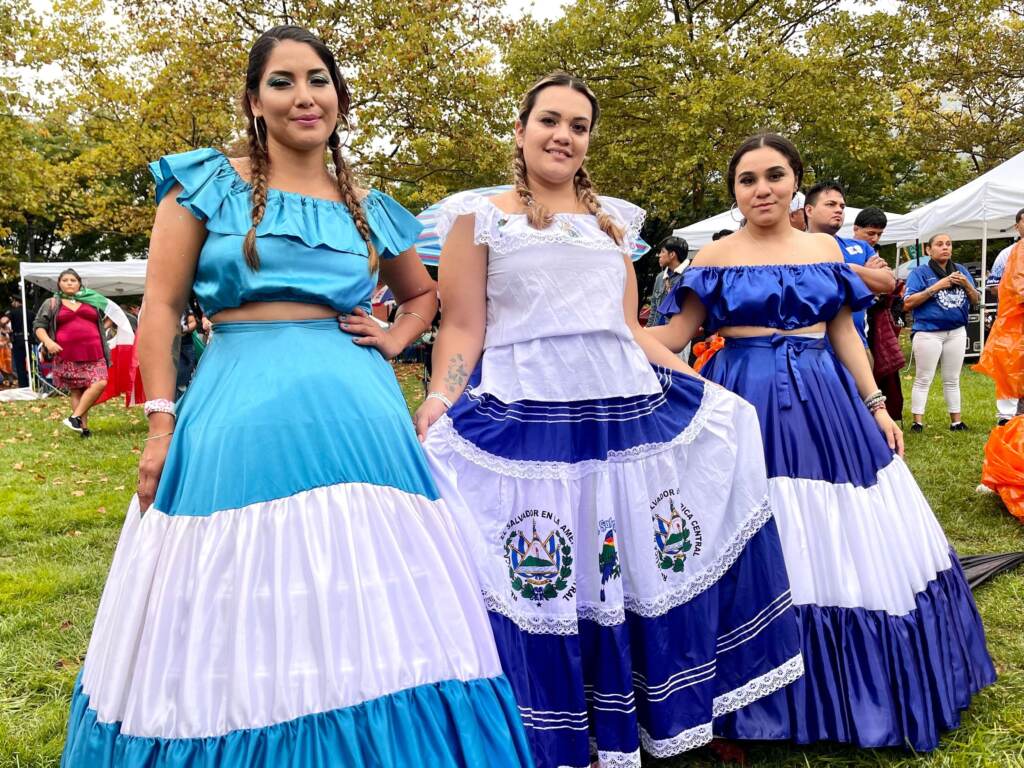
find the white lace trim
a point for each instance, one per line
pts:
(699, 735)
(689, 739)
(618, 759)
(609, 616)
(666, 601)
(606, 616)
(487, 230)
(532, 623)
(759, 687)
(562, 470)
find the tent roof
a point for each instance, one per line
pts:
(111, 278)
(994, 197)
(698, 235)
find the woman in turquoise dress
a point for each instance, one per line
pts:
(288, 589)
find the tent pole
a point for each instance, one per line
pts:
(24, 325)
(984, 270)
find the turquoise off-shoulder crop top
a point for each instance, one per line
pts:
(310, 250)
(782, 296)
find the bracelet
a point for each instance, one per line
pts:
(154, 437)
(873, 409)
(402, 314)
(873, 396)
(440, 396)
(158, 406)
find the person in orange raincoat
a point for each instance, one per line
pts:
(1002, 359)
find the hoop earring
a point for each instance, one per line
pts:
(260, 140)
(733, 209)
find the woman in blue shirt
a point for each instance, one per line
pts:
(940, 293)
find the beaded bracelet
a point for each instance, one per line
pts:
(158, 405)
(440, 396)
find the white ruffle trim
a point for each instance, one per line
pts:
(562, 470)
(699, 735)
(505, 232)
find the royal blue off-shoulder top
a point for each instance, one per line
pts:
(310, 250)
(782, 296)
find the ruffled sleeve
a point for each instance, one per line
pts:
(462, 204)
(855, 293)
(705, 282)
(205, 177)
(631, 218)
(392, 228)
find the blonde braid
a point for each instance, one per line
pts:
(259, 164)
(586, 195)
(536, 214)
(355, 207)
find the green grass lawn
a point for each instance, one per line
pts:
(63, 499)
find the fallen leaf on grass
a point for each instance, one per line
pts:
(65, 626)
(18, 466)
(78, 493)
(102, 510)
(74, 534)
(119, 488)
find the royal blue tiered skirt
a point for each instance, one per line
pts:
(297, 595)
(629, 560)
(892, 642)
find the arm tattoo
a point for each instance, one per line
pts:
(456, 376)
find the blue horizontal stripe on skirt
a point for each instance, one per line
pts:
(572, 686)
(451, 724)
(281, 407)
(877, 680)
(813, 421)
(582, 430)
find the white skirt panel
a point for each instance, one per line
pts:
(855, 547)
(260, 615)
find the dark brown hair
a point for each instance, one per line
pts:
(536, 214)
(781, 144)
(259, 159)
(69, 271)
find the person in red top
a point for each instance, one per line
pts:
(73, 333)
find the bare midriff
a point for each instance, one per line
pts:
(748, 331)
(274, 310)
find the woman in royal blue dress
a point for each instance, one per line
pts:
(893, 645)
(294, 594)
(614, 503)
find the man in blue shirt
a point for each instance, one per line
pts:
(825, 206)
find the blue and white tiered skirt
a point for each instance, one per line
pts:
(893, 645)
(628, 558)
(297, 595)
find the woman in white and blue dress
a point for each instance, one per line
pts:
(615, 509)
(288, 589)
(892, 642)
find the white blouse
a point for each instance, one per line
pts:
(556, 330)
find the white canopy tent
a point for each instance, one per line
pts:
(111, 278)
(698, 235)
(980, 209)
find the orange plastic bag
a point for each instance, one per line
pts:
(705, 350)
(1003, 469)
(1002, 359)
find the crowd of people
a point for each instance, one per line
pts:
(578, 549)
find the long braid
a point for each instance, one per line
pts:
(536, 214)
(586, 195)
(259, 165)
(348, 194)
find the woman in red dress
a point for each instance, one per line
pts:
(74, 335)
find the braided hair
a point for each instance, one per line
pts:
(259, 157)
(536, 214)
